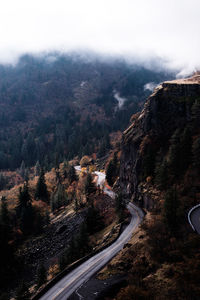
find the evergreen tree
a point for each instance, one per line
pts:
(52, 203)
(71, 174)
(41, 188)
(59, 198)
(24, 199)
(104, 146)
(65, 168)
(24, 210)
(109, 173)
(112, 170)
(26, 174)
(57, 161)
(37, 168)
(46, 164)
(3, 181)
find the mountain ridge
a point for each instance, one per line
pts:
(159, 170)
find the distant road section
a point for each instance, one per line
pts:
(194, 218)
(67, 285)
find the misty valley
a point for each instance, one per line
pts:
(99, 168)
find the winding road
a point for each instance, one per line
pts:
(68, 284)
(194, 218)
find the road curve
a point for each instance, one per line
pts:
(68, 284)
(194, 218)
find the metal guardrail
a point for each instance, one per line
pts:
(189, 214)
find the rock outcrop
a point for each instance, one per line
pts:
(167, 109)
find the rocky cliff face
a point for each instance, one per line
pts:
(167, 109)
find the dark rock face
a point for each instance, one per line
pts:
(55, 239)
(167, 109)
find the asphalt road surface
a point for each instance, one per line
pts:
(67, 285)
(195, 219)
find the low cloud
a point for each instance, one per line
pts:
(138, 29)
(150, 86)
(120, 100)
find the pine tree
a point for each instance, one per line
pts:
(41, 188)
(112, 170)
(3, 181)
(24, 199)
(109, 173)
(24, 210)
(65, 168)
(26, 174)
(71, 174)
(59, 198)
(37, 168)
(52, 203)
(57, 161)
(46, 164)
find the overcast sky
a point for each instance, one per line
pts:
(144, 28)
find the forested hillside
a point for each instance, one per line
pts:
(57, 106)
(57, 112)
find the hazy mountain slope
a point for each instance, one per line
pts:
(57, 106)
